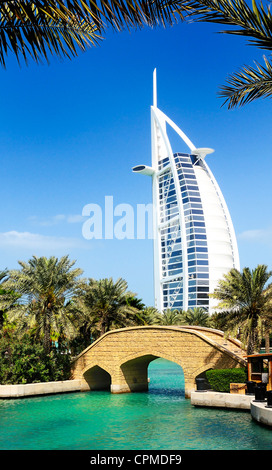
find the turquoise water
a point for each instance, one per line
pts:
(159, 419)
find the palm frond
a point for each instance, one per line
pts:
(35, 29)
(63, 27)
(254, 23)
(3, 275)
(247, 85)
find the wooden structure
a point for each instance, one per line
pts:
(238, 388)
(259, 369)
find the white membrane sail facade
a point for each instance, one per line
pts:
(194, 238)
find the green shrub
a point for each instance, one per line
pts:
(220, 379)
(24, 361)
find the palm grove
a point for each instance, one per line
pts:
(50, 312)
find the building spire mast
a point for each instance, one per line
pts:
(155, 88)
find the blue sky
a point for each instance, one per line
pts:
(71, 131)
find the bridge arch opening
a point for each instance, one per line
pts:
(166, 377)
(97, 378)
(135, 372)
(152, 372)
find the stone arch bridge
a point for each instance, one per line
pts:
(119, 359)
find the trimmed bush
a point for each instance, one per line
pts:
(220, 379)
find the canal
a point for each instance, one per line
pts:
(160, 419)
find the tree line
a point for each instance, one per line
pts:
(48, 299)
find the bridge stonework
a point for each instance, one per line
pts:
(118, 361)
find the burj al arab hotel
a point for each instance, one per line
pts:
(194, 238)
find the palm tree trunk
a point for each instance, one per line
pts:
(46, 341)
(46, 331)
(267, 341)
(103, 329)
(250, 346)
(252, 336)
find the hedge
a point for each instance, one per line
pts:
(24, 361)
(220, 379)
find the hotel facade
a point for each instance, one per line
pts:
(194, 238)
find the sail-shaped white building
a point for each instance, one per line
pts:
(194, 238)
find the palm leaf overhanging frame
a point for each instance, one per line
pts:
(254, 23)
(36, 28)
(39, 27)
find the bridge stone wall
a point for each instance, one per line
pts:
(118, 361)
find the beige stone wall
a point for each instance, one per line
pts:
(125, 354)
(41, 388)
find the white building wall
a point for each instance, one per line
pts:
(221, 245)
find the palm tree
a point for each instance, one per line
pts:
(244, 297)
(106, 306)
(3, 277)
(152, 316)
(267, 322)
(48, 287)
(218, 320)
(85, 324)
(149, 316)
(196, 316)
(134, 301)
(8, 299)
(170, 317)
